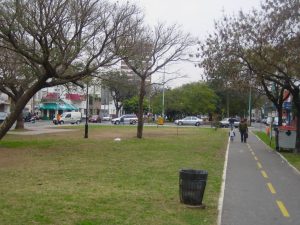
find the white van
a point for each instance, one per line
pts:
(69, 117)
(269, 120)
(274, 121)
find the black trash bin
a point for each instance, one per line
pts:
(191, 186)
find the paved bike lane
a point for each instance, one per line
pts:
(260, 188)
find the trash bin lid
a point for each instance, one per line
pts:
(193, 174)
(286, 128)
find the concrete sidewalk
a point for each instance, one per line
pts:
(40, 130)
(260, 187)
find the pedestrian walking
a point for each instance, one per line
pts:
(58, 118)
(231, 134)
(231, 122)
(243, 128)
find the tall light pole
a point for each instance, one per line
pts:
(86, 127)
(250, 93)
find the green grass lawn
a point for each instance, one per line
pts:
(63, 178)
(266, 139)
(293, 158)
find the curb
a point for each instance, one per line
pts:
(281, 156)
(221, 197)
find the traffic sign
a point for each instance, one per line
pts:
(287, 105)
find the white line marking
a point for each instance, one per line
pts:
(221, 197)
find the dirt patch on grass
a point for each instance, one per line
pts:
(14, 157)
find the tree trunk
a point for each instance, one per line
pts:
(13, 116)
(19, 105)
(141, 109)
(20, 122)
(117, 112)
(118, 108)
(296, 100)
(279, 110)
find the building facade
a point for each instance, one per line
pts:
(4, 103)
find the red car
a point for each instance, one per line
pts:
(95, 119)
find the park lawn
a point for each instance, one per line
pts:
(63, 178)
(293, 158)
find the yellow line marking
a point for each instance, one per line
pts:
(253, 153)
(272, 189)
(264, 174)
(256, 158)
(282, 208)
(259, 165)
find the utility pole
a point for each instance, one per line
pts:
(86, 127)
(227, 102)
(249, 113)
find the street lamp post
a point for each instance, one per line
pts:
(250, 100)
(86, 127)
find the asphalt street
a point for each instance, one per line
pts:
(260, 187)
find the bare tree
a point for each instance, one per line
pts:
(59, 41)
(146, 51)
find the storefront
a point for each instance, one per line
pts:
(50, 109)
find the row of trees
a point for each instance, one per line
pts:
(204, 98)
(189, 99)
(120, 87)
(55, 42)
(258, 49)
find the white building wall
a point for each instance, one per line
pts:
(4, 103)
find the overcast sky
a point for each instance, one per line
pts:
(196, 17)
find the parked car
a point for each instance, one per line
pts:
(95, 119)
(226, 123)
(269, 120)
(264, 120)
(69, 117)
(3, 116)
(127, 118)
(274, 121)
(106, 118)
(189, 120)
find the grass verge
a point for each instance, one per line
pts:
(65, 179)
(293, 158)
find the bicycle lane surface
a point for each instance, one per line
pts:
(260, 187)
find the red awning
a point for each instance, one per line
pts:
(52, 96)
(75, 97)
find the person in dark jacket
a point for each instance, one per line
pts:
(243, 128)
(231, 122)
